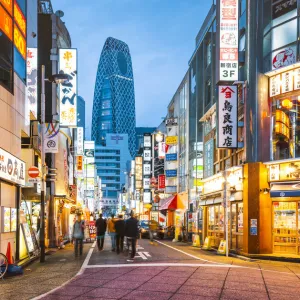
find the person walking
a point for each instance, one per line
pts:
(132, 233)
(120, 232)
(101, 229)
(112, 232)
(78, 235)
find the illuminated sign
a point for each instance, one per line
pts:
(6, 219)
(79, 163)
(275, 85)
(8, 4)
(147, 197)
(229, 30)
(12, 168)
(5, 23)
(68, 90)
(79, 140)
(19, 18)
(147, 140)
(147, 155)
(287, 82)
(147, 169)
(171, 140)
(20, 42)
(161, 181)
(227, 117)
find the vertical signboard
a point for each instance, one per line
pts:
(227, 117)
(209, 158)
(229, 36)
(68, 90)
(79, 140)
(51, 137)
(161, 182)
(147, 167)
(31, 90)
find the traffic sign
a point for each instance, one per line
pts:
(33, 172)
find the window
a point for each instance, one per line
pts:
(106, 93)
(208, 53)
(106, 112)
(242, 42)
(242, 6)
(6, 62)
(19, 65)
(105, 125)
(106, 104)
(207, 92)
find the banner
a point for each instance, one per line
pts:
(68, 90)
(79, 141)
(51, 132)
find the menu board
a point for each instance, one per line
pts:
(6, 219)
(13, 219)
(28, 237)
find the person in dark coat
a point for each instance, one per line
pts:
(120, 231)
(132, 233)
(101, 229)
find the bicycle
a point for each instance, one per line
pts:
(3, 265)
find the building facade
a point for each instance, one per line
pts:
(114, 100)
(81, 113)
(139, 136)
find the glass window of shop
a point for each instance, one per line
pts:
(216, 224)
(286, 127)
(237, 226)
(286, 227)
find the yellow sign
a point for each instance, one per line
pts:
(19, 18)
(207, 243)
(20, 42)
(171, 140)
(196, 240)
(5, 23)
(79, 163)
(8, 5)
(222, 247)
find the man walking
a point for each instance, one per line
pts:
(78, 235)
(112, 232)
(101, 229)
(132, 233)
(120, 232)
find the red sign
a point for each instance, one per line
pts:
(33, 172)
(92, 229)
(161, 181)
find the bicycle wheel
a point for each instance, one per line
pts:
(3, 265)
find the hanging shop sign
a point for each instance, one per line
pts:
(51, 137)
(147, 140)
(68, 90)
(147, 155)
(171, 157)
(147, 169)
(171, 140)
(79, 164)
(275, 83)
(12, 168)
(79, 140)
(209, 158)
(161, 182)
(229, 31)
(227, 117)
(6, 23)
(161, 150)
(172, 122)
(31, 89)
(171, 173)
(287, 82)
(146, 183)
(147, 197)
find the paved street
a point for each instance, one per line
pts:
(180, 272)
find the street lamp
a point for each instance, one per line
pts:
(57, 79)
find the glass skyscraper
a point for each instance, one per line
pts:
(114, 101)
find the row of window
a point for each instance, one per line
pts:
(116, 158)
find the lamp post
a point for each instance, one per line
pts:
(57, 78)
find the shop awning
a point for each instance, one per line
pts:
(168, 203)
(285, 189)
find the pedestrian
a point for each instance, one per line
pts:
(101, 229)
(132, 233)
(78, 235)
(112, 232)
(120, 232)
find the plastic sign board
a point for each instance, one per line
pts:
(171, 173)
(161, 182)
(33, 172)
(229, 37)
(171, 140)
(147, 197)
(287, 82)
(20, 42)
(8, 4)
(19, 18)
(79, 141)
(6, 23)
(222, 247)
(68, 90)
(11, 168)
(207, 243)
(171, 157)
(227, 117)
(275, 83)
(147, 140)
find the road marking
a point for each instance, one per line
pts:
(86, 261)
(147, 254)
(142, 255)
(188, 254)
(138, 247)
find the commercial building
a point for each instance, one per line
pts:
(81, 113)
(114, 100)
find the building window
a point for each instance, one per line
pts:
(208, 53)
(105, 125)
(6, 62)
(242, 44)
(19, 65)
(106, 104)
(106, 112)
(286, 127)
(207, 92)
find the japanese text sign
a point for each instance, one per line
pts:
(68, 90)
(161, 181)
(147, 141)
(20, 19)
(171, 140)
(79, 140)
(20, 42)
(229, 31)
(5, 23)
(227, 117)
(8, 4)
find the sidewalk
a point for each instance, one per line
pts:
(40, 278)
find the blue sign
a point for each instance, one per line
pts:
(253, 230)
(171, 173)
(171, 157)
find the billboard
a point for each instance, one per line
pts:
(68, 90)
(229, 37)
(227, 117)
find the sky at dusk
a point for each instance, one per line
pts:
(161, 38)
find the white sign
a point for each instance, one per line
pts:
(147, 141)
(147, 197)
(68, 90)
(147, 155)
(229, 30)
(161, 150)
(79, 140)
(227, 117)
(71, 170)
(147, 169)
(146, 185)
(297, 79)
(283, 58)
(51, 131)
(275, 85)
(12, 168)
(31, 90)
(287, 82)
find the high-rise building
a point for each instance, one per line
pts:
(80, 112)
(114, 101)
(139, 136)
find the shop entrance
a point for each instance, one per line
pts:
(286, 227)
(237, 225)
(216, 224)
